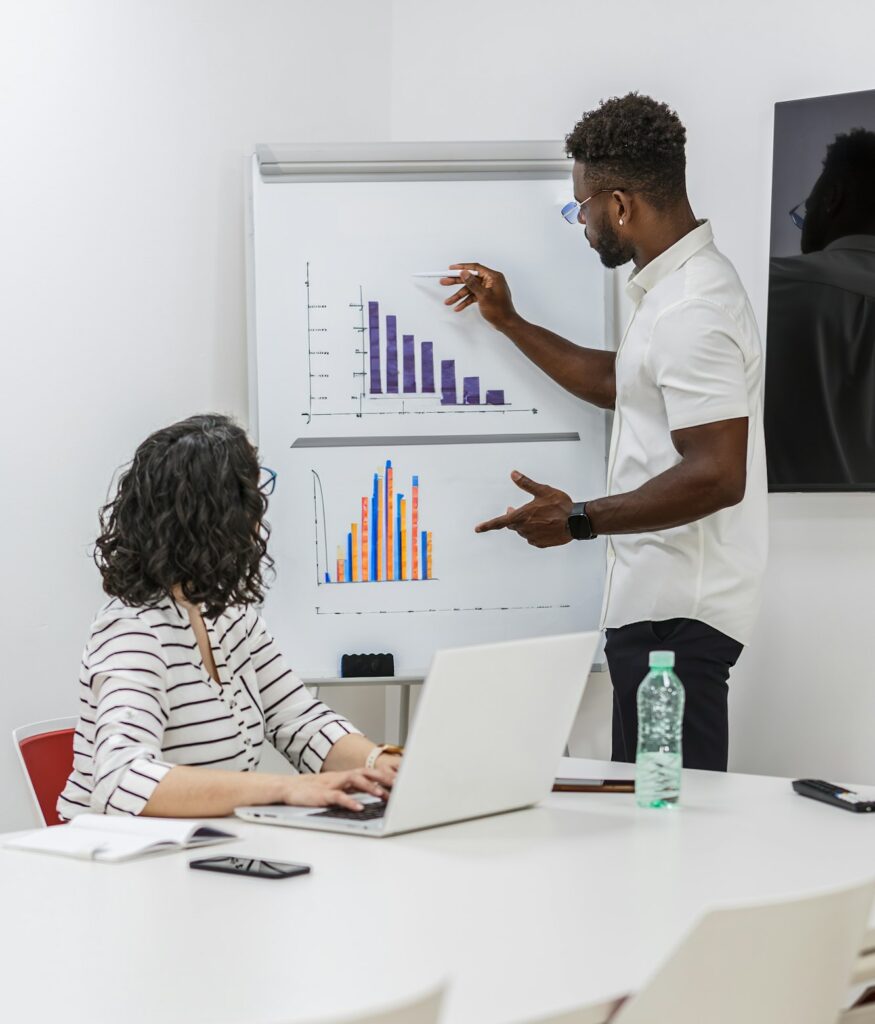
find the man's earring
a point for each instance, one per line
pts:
(621, 222)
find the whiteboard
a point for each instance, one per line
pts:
(393, 423)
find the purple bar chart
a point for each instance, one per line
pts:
(382, 333)
(471, 390)
(391, 356)
(409, 366)
(374, 347)
(448, 382)
(427, 364)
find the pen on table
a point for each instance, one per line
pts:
(441, 273)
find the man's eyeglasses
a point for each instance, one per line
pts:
(797, 217)
(267, 480)
(572, 211)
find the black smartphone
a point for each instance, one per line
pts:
(830, 793)
(251, 866)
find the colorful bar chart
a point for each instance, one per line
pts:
(411, 383)
(387, 543)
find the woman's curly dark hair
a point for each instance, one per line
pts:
(187, 511)
(635, 142)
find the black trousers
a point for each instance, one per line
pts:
(703, 658)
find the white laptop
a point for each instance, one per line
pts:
(491, 725)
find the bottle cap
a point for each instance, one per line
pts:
(662, 659)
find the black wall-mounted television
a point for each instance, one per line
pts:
(820, 333)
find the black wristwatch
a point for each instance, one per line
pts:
(579, 525)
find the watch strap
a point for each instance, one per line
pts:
(383, 748)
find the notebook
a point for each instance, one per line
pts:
(115, 838)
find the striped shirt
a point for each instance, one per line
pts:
(147, 703)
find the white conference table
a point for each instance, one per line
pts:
(571, 902)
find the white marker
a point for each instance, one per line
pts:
(441, 273)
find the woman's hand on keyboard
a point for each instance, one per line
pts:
(333, 789)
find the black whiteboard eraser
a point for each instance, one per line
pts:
(352, 665)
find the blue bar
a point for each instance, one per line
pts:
(349, 558)
(327, 577)
(424, 565)
(375, 529)
(397, 552)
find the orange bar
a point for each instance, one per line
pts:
(341, 565)
(354, 561)
(428, 555)
(414, 539)
(390, 524)
(403, 538)
(379, 527)
(366, 565)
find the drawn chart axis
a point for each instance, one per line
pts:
(379, 370)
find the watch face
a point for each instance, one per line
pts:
(580, 526)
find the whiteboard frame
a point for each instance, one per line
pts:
(412, 161)
(542, 159)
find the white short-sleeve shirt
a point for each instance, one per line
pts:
(691, 355)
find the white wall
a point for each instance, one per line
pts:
(124, 126)
(124, 129)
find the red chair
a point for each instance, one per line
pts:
(45, 750)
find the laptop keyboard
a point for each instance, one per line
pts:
(367, 813)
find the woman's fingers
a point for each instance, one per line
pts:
(337, 798)
(361, 780)
(380, 774)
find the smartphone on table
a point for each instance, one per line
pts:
(251, 866)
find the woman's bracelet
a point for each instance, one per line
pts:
(384, 748)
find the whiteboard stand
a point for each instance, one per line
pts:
(405, 682)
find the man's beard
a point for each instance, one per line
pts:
(611, 250)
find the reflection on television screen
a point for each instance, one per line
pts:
(820, 337)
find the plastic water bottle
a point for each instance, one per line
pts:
(660, 719)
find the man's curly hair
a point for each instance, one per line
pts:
(633, 142)
(187, 511)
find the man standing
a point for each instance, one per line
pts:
(685, 513)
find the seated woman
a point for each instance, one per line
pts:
(181, 683)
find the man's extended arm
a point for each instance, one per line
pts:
(587, 373)
(711, 475)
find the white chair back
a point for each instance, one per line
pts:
(859, 1015)
(779, 961)
(424, 1009)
